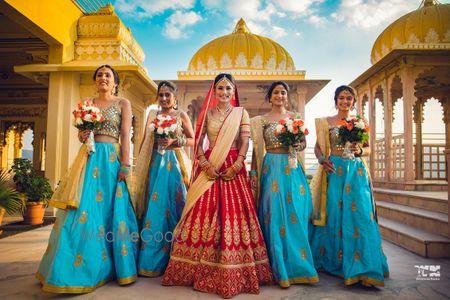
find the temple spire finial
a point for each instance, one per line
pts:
(241, 27)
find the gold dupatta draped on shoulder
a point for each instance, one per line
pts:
(319, 182)
(201, 184)
(138, 183)
(259, 150)
(68, 193)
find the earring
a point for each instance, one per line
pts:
(270, 100)
(175, 106)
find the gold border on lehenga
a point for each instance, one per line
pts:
(221, 265)
(147, 273)
(46, 287)
(287, 283)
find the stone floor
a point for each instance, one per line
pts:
(20, 255)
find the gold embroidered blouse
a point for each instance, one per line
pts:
(213, 126)
(335, 143)
(113, 119)
(270, 138)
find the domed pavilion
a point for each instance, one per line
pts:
(410, 62)
(255, 61)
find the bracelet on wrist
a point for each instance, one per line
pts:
(253, 173)
(125, 170)
(321, 159)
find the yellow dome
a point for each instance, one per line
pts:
(241, 50)
(425, 28)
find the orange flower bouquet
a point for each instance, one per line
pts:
(290, 132)
(88, 116)
(353, 130)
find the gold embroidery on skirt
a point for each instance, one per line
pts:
(167, 213)
(339, 256)
(356, 233)
(303, 253)
(83, 217)
(99, 197)
(341, 203)
(169, 166)
(195, 234)
(353, 206)
(287, 170)
(360, 171)
(347, 188)
(96, 172)
(124, 250)
(122, 227)
(322, 251)
(274, 186)
(112, 157)
(155, 196)
(282, 231)
(245, 232)
(254, 229)
(293, 218)
(148, 223)
(227, 230)
(340, 171)
(289, 197)
(236, 232)
(78, 260)
(179, 196)
(302, 189)
(119, 192)
(265, 169)
(205, 228)
(357, 256)
(101, 231)
(211, 228)
(104, 255)
(185, 229)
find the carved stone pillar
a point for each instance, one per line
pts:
(18, 143)
(372, 125)
(408, 101)
(388, 107)
(418, 120)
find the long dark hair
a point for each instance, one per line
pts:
(344, 88)
(115, 74)
(273, 86)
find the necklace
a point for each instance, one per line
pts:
(223, 114)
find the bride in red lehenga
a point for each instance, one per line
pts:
(218, 246)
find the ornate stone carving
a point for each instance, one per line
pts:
(212, 65)
(225, 61)
(200, 66)
(18, 112)
(271, 63)
(432, 36)
(194, 108)
(241, 61)
(282, 65)
(413, 39)
(257, 62)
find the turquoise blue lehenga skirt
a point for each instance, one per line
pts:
(349, 245)
(166, 199)
(98, 241)
(284, 213)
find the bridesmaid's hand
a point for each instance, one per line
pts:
(83, 135)
(121, 176)
(328, 166)
(253, 181)
(166, 142)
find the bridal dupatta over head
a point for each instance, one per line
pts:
(199, 182)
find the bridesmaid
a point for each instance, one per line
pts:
(283, 195)
(346, 240)
(94, 239)
(163, 182)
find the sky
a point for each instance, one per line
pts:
(328, 39)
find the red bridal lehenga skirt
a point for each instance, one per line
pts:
(220, 248)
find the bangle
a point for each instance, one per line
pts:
(321, 159)
(125, 170)
(181, 140)
(362, 151)
(198, 156)
(243, 156)
(235, 168)
(253, 172)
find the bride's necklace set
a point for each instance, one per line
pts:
(223, 114)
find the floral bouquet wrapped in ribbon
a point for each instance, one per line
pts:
(290, 132)
(164, 126)
(88, 117)
(353, 130)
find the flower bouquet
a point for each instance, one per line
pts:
(290, 132)
(164, 127)
(352, 130)
(88, 117)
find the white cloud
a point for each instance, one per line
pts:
(299, 7)
(316, 21)
(175, 27)
(278, 32)
(371, 13)
(147, 9)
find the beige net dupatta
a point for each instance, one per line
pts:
(218, 155)
(259, 150)
(319, 182)
(68, 193)
(138, 180)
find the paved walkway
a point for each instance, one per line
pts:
(20, 256)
